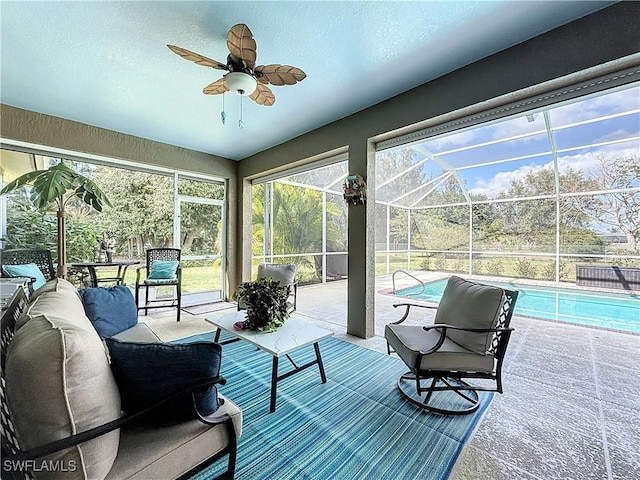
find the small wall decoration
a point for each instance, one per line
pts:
(355, 190)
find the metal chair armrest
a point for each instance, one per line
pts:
(408, 307)
(475, 330)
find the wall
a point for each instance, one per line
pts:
(36, 128)
(601, 37)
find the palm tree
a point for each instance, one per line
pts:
(58, 185)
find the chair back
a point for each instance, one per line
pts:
(22, 256)
(162, 254)
(501, 338)
(472, 305)
(285, 274)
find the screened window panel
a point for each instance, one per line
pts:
(598, 106)
(337, 226)
(600, 224)
(504, 150)
(399, 229)
(257, 220)
(200, 188)
(511, 180)
(381, 227)
(614, 129)
(330, 176)
(440, 228)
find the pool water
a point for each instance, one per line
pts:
(596, 309)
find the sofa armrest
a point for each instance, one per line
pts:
(95, 432)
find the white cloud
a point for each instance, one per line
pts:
(586, 162)
(501, 181)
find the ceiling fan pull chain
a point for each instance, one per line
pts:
(240, 123)
(223, 116)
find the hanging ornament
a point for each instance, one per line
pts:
(355, 190)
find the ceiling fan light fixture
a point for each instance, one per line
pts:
(241, 83)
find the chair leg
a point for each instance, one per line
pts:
(137, 298)
(407, 386)
(178, 289)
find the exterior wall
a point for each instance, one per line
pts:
(36, 128)
(606, 35)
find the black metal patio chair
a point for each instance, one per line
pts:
(163, 269)
(20, 257)
(467, 340)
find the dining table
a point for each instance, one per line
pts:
(93, 267)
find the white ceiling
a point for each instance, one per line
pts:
(105, 63)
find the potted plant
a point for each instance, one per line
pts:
(266, 303)
(58, 185)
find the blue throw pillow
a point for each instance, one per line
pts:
(111, 310)
(27, 270)
(163, 270)
(148, 372)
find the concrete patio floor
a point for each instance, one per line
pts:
(570, 406)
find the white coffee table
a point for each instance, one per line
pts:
(295, 334)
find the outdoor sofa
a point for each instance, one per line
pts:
(60, 391)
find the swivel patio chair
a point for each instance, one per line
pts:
(162, 270)
(467, 340)
(20, 262)
(285, 274)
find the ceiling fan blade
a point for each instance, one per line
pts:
(197, 58)
(263, 96)
(219, 86)
(241, 44)
(279, 74)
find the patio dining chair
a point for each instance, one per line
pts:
(161, 270)
(35, 264)
(467, 340)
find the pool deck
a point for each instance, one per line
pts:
(570, 406)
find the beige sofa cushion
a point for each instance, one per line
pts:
(59, 383)
(140, 333)
(470, 305)
(152, 451)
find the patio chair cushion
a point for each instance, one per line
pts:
(408, 341)
(26, 270)
(163, 270)
(58, 383)
(111, 310)
(285, 274)
(147, 372)
(470, 305)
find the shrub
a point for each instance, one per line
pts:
(525, 268)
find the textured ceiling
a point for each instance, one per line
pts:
(105, 63)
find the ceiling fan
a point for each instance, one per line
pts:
(244, 76)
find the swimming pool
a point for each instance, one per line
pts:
(596, 309)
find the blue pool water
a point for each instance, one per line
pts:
(596, 309)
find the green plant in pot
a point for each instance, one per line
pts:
(266, 303)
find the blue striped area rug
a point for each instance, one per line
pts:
(355, 426)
